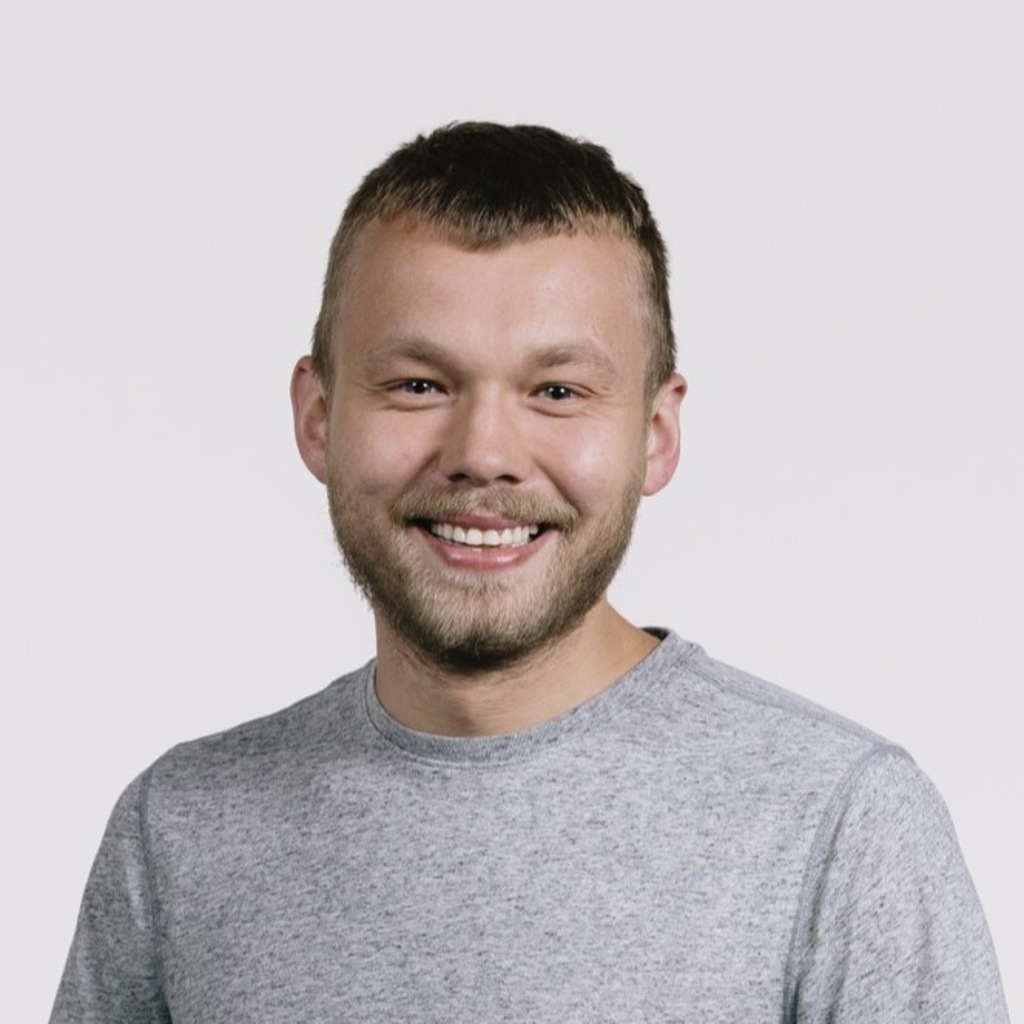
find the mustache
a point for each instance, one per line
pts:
(443, 505)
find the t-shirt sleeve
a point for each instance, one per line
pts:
(892, 929)
(112, 973)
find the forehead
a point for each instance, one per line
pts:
(402, 279)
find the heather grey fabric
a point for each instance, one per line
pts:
(691, 845)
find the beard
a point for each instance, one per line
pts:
(470, 622)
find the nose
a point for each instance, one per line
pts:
(483, 442)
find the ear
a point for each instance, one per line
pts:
(663, 435)
(309, 410)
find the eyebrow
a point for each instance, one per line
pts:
(413, 349)
(572, 353)
(545, 357)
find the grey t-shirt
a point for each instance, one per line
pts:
(692, 844)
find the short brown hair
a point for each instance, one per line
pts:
(484, 185)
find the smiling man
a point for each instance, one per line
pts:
(525, 808)
(485, 437)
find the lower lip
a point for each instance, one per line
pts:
(483, 559)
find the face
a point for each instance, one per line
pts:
(487, 438)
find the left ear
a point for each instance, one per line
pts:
(662, 454)
(309, 411)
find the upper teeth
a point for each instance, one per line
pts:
(514, 536)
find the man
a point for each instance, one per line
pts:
(526, 808)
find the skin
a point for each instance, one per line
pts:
(513, 380)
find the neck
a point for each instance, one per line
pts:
(428, 697)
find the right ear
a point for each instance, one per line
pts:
(309, 410)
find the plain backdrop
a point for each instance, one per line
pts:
(842, 189)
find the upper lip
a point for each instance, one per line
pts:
(502, 510)
(480, 521)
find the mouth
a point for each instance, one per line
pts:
(474, 537)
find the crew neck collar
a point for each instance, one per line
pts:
(478, 750)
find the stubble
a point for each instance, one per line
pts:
(468, 621)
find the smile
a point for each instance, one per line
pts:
(510, 537)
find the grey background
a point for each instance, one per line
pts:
(840, 186)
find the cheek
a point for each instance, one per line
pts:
(593, 467)
(373, 457)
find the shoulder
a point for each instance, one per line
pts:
(747, 719)
(889, 924)
(289, 740)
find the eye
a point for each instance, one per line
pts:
(413, 392)
(416, 387)
(558, 392)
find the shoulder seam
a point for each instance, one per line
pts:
(151, 893)
(803, 707)
(816, 857)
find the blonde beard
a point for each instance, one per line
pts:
(467, 623)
